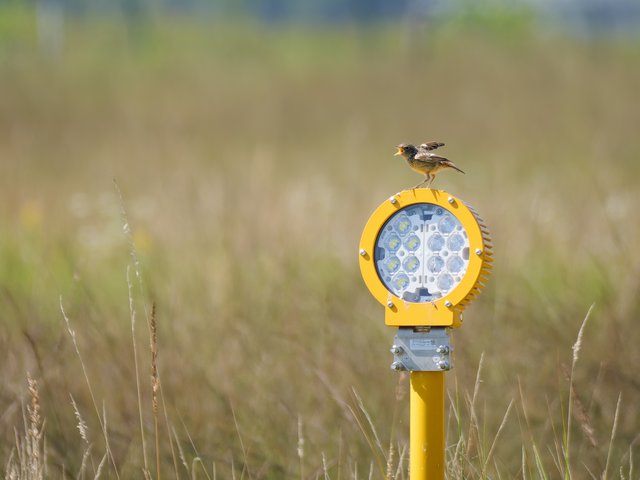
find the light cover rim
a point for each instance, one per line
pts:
(445, 310)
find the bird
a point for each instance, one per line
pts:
(421, 160)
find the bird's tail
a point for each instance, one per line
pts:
(450, 164)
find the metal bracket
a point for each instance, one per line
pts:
(421, 349)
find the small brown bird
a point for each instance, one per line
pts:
(421, 160)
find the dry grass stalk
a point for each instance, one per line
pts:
(82, 425)
(84, 435)
(495, 439)
(402, 387)
(132, 316)
(27, 460)
(244, 451)
(35, 432)
(155, 378)
(613, 434)
(576, 351)
(100, 467)
(101, 420)
(370, 434)
(300, 447)
(325, 467)
(83, 464)
(581, 413)
(473, 418)
(181, 456)
(155, 381)
(390, 473)
(399, 473)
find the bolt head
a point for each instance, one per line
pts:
(396, 350)
(443, 365)
(478, 251)
(393, 200)
(390, 304)
(397, 366)
(450, 200)
(442, 349)
(363, 252)
(448, 304)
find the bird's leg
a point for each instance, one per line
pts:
(422, 182)
(431, 179)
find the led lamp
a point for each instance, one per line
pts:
(425, 255)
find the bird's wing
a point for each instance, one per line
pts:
(431, 145)
(429, 157)
(433, 159)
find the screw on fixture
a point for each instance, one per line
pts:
(393, 200)
(478, 251)
(390, 304)
(396, 350)
(363, 252)
(397, 366)
(442, 349)
(443, 365)
(448, 304)
(450, 200)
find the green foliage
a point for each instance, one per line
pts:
(16, 25)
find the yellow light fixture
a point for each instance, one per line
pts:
(425, 255)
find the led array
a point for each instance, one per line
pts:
(421, 253)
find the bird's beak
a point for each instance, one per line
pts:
(399, 152)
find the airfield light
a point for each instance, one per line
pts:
(425, 255)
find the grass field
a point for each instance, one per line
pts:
(246, 161)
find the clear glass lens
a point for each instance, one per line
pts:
(392, 264)
(447, 224)
(402, 225)
(455, 242)
(436, 242)
(445, 281)
(455, 264)
(393, 243)
(412, 243)
(401, 281)
(411, 264)
(435, 264)
(422, 253)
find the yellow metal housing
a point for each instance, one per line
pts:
(446, 311)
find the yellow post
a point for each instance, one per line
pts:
(426, 449)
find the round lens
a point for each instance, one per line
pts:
(436, 242)
(392, 265)
(420, 253)
(412, 243)
(411, 264)
(445, 282)
(435, 264)
(393, 243)
(455, 242)
(455, 264)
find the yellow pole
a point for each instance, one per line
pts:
(426, 445)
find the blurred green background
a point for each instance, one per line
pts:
(230, 154)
